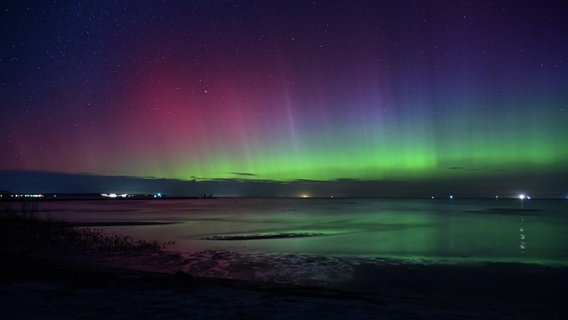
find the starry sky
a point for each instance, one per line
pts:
(397, 98)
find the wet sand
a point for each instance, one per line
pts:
(173, 286)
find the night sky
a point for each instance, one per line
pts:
(344, 98)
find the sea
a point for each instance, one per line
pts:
(452, 230)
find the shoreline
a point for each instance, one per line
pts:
(393, 291)
(66, 272)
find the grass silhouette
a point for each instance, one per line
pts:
(23, 231)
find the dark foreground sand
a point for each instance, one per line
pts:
(122, 287)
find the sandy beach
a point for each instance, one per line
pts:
(155, 287)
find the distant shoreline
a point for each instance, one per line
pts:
(82, 197)
(97, 196)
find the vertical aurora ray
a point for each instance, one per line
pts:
(370, 92)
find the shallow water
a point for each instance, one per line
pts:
(437, 230)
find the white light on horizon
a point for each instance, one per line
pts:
(109, 195)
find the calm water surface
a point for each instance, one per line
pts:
(471, 230)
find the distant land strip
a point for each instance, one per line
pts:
(118, 223)
(264, 236)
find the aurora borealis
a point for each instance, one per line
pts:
(344, 92)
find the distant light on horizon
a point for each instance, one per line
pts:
(25, 195)
(523, 196)
(114, 195)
